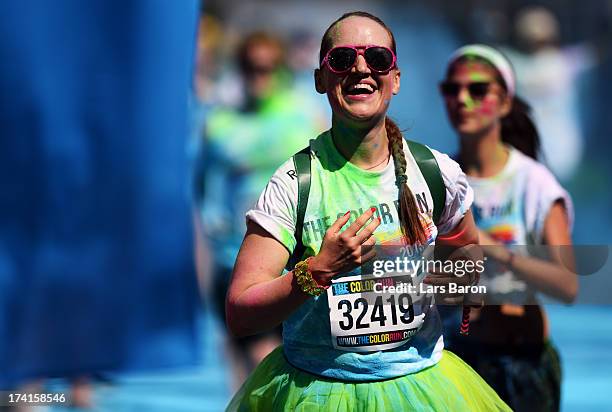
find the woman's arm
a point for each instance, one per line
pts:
(259, 298)
(461, 243)
(465, 233)
(557, 277)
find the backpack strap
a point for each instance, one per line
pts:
(301, 160)
(433, 177)
(424, 158)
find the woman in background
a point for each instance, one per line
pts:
(242, 147)
(517, 201)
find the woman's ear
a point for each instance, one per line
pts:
(506, 105)
(319, 84)
(396, 81)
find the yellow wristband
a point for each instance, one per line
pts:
(303, 277)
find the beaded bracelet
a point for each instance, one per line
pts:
(305, 281)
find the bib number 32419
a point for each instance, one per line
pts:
(365, 317)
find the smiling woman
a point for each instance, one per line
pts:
(344, 347)
(359, 74)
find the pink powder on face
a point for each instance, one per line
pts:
(475, 114)
(487, 106)
(475, 71)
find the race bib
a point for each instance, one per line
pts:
(369, 313)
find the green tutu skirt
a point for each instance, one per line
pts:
(450, 385)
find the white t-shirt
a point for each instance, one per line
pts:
(333, 194)
(338, 186)
(512, 208)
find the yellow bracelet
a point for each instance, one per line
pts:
(303, 277)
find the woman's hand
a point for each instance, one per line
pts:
(555, 277)
(493, 249)
(459, 246)
(259, 298)
(342, 252)
(465, 262)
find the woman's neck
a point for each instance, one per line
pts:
(483, 155)
(367, 148)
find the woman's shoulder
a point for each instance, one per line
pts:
(536, 173)
(453, 177)
(445, 162)
(449, 169)
(285, 175)
(542, 190)
(459, 195)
